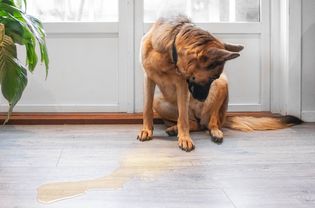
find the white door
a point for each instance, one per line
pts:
(236, 21)
(87, 44)
(94, 45)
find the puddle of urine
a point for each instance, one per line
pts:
(140, 164)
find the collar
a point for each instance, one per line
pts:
(175, 56)
(174, 52)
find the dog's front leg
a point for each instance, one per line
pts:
(147, 130)
(184, 140)
(214, 108)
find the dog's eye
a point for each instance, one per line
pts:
(214, 65)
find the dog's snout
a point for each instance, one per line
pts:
(199, 91)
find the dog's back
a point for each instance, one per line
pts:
(164, 30)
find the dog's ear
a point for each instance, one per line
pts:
(233, 47)
(222, 54)
(227, 55)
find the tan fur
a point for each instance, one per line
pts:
(248, 123)
(201, 58)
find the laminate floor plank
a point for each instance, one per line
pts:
(105, 166)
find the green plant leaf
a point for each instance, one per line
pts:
(19, 14)
(25, 30)
(16, 29)
(10, 2)
(21, 4)
(42, 45)
(13, 74)
(22, 35)
(32, 28)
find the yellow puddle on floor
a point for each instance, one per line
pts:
(140, 163)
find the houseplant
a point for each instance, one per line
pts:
(17, 27)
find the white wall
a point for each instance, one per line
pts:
(308, 60)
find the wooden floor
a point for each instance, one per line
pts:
(98, 166)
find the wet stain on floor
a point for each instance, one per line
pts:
(138, 164)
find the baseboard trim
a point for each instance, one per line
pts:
(73, 118)
(93, 118)
(308, 116)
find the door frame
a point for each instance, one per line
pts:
(286, 57)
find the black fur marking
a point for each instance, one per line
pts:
(171, 133)
(199, 92)
(174, 52)
(288, 119)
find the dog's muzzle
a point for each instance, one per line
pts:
(199, 91)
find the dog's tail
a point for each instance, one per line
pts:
(248, 123)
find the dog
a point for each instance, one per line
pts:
(186, 63)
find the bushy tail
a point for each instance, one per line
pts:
(248, 123)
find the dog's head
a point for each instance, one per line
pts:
(201, 60)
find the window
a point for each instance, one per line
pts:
(204, 10)
(74, 10)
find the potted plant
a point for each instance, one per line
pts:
(17, 27)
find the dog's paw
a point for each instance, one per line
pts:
(172, 131)
(145, 135)
(216, 135)
(186, 144)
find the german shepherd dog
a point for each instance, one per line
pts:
(186, 63)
